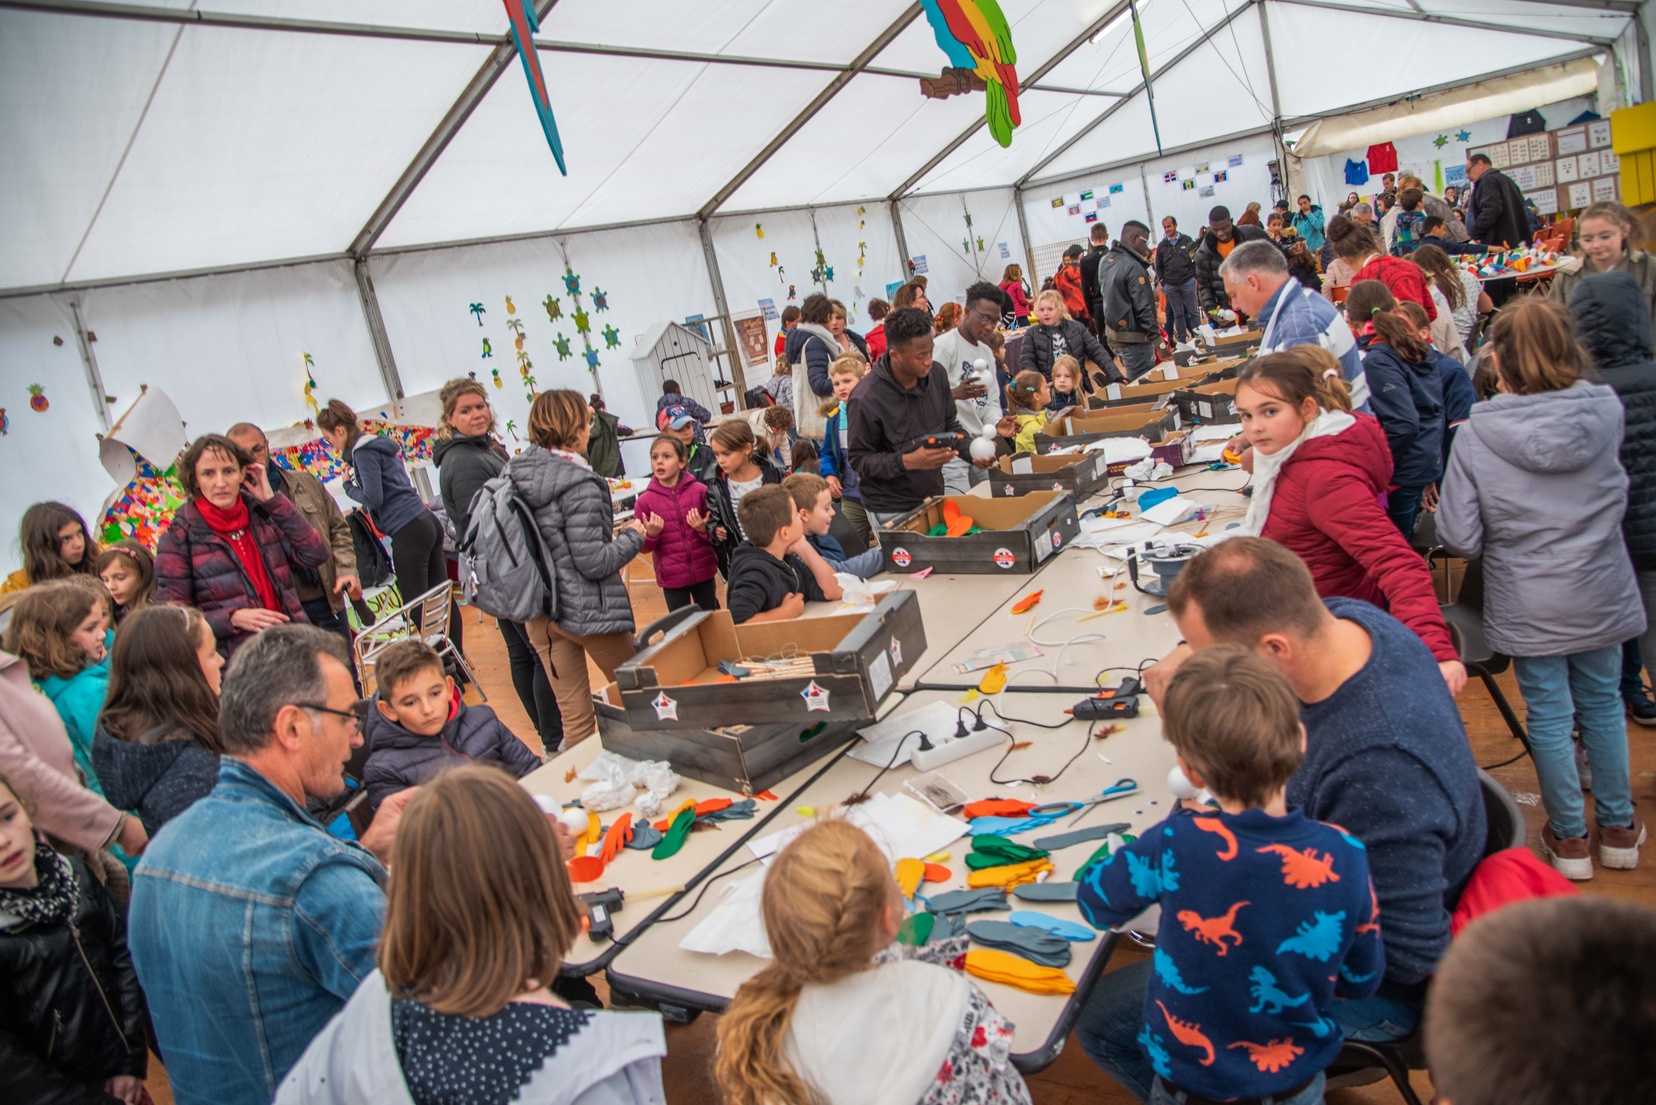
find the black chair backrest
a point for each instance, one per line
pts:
(1471, 593)
(1502, 815)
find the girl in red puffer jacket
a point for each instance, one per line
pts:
(1320, 478)
(675, 505)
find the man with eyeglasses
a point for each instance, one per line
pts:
(961, 351)
(250, 924)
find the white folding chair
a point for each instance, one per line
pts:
(425, 618)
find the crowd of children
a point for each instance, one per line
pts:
(1271, 920)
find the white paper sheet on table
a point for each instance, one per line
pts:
(1214, 433)
(1172, 511)
(736, 923)
(1119, 448)
(880, 740)
(900, 825)
(1208, 453)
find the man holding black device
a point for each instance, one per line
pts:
(904, 426)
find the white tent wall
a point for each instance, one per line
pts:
(51, 454)
(1051, 226)
(935, 228)
(1326, 180)
(647, 274)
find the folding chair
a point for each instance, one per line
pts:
(1466, 629)
(1505, 829)
(425, 618)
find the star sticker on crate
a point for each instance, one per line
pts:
(612, 337)
(666, 709)
(896, 652)
(815, 697)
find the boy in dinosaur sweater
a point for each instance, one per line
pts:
(1266, 915)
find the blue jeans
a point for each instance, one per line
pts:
(1164, 1094)
(1136, 359)
(1632, 672)
(1110, 1022)
(1182, 314)
(1581, 689)
(1403, 507)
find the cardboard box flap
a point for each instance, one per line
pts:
(989, 514)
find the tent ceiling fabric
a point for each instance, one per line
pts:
(158, 143)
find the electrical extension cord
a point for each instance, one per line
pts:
(954, 748)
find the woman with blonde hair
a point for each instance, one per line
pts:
(839, 1016)
(467, 456)
(1056, 335)
(592, 612)
(479, 915)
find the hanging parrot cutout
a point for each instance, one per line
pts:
(975, 37)
(524, 25)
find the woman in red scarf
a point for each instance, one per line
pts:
(231, 549)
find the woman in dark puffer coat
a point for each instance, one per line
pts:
(230, 548)
(592, 613)
(1613, 321)
(1054, 335)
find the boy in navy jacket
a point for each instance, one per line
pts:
(419, 725)
(1266, 915)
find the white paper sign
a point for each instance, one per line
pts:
(1524, 177)
(1604, 189)
(1587, 166)
(1609, 161)
(1598, 134)
(1581, 194)
(1566, 169)
(1539, 148)
(1572, 141)
(1546, 201)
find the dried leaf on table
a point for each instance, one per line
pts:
(1019, 745)
(569, 776)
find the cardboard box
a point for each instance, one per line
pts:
(1080, 474)
(746, 759)
(1020, 532)
(1084, 429)
(1175, 449)
(841, 667)
(1210, 402)
(1148, 390)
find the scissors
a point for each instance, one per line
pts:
(1037, 818)
(1121, 789)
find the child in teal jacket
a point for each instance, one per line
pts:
(61, 630)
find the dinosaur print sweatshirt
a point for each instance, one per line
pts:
(1264, 921)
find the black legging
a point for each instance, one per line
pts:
(534, 690)
(418, 560)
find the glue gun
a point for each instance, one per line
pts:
(600, 904)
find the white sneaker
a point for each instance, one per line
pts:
(1570, 856)
(1619, 847)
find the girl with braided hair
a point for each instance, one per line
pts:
(924, 1034)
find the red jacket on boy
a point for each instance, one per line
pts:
(1326, 510)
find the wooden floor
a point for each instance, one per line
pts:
(1073, 1080)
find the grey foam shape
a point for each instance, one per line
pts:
(968, 901)
(1080, 836)
(645, 836)
(1035, 945)
(1047, 891)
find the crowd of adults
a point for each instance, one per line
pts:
(266, 957)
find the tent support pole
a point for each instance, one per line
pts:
(1276, 100)
(736, 352)
(89, 359)
(902, 240)
(376, 332)
(1023, 229)
(1641, 37)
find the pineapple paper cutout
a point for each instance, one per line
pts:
(37, 399)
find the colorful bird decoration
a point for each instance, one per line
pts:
(488, 350)
(524, 25)
(5, 423)
(977, 40)
(310, 383)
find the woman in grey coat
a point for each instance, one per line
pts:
(1535, 488)
(592, 613)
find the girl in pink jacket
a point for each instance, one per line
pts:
(674, 508)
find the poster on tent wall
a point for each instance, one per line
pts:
(750, 331)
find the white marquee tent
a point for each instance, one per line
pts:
(195, 193)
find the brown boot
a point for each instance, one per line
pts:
(1619, 847)
(1571, 856)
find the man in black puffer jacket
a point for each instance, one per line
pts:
(1129, 320)
(1222, 237)
(1614, 323)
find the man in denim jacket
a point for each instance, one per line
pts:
(250, 925)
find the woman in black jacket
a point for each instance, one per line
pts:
(1054, 335)
(468, 456)
(71, 1013)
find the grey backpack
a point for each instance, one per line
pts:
(507, 569)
